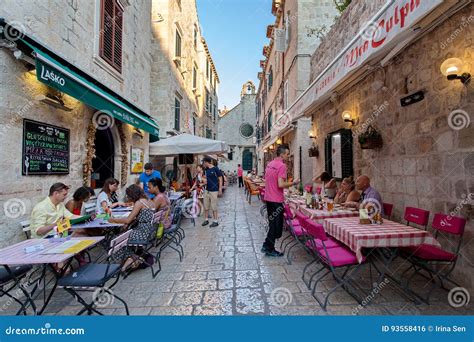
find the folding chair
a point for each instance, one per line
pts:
(25, 227)
(437, 262)
(417, 216)
(333, 256)
(307, 226)
(387, 209)
(10, 278)
(172, 235)
(94, 277)
(145, 246)
(297, 231)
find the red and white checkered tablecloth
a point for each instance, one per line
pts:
(320, 215)
(389, 234)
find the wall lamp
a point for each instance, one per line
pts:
(278, 141)
(347, 117)
(311, 135)
(453, 69)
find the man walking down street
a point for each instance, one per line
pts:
(240, 174)
(275, 182)
(213, 190)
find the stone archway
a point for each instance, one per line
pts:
(119, 150)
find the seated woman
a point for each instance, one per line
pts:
(80, 196)
(328, 184)
(347, 192)
(143, 229)
(161, 201)
(105, 199)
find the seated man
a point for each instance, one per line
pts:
(47, 212)
(368, 195)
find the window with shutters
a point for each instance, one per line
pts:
(338, 154)
(177, 113)
(194, 77)
(177, 48)
(111, 28)
(195, 37)
(270, 78)
(287, 30)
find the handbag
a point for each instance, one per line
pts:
(161, 226)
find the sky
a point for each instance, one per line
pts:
(235, 31)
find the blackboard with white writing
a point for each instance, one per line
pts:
(45, 149)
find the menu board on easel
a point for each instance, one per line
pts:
(45, 149)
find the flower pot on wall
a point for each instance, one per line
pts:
(370, 139)
(314, 151)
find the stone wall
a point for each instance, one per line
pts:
(168, 80)
(426, 161)
(70, 29)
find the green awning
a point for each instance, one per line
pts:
(58, 76)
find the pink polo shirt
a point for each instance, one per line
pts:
(275, 169)
(240, 172)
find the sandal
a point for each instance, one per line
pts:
(131, 264)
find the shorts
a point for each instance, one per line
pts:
(210, 200)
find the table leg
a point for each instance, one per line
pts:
(388, 256)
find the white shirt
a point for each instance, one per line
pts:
(103, 197)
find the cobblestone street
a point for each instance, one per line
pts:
(224, 273)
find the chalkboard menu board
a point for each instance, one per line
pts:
(45, 149)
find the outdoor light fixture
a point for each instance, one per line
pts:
(347, 117)
(54, 101)
(311, 134)
(138, 133)
(279, 141)
(271, 147)
(265, 151)
(452, 68)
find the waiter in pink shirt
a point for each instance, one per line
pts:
(275, 182)
(240, 174)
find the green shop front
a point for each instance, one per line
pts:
(110, 140)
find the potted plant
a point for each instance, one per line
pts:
(313, 151)
(370, 139)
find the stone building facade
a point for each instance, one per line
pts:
(427, 157)
(237, 128)
(70, 31)
(184, 80)
(285, 75)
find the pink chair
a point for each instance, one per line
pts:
(331, 259)
(298, 232)
(318, 190)
(387, 209)
(417, 216)
(308, 188)
(428, 258)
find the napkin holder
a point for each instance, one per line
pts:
(364, 216)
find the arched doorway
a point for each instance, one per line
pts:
(103, 164)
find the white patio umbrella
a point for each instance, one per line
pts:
(186, 144)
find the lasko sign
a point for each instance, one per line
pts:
(51, 76)
(398, 17)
